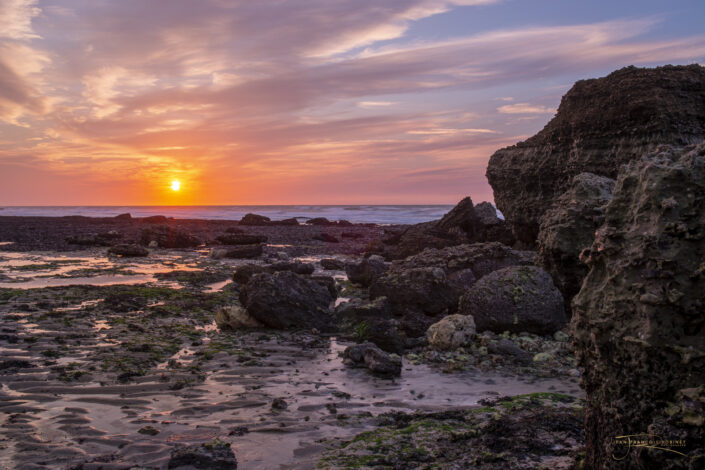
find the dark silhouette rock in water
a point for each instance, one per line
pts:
(287, 300)
(255, 220)
(638, 321)
(568, 227)
(461, 225)
(515, 299)
(600, 125)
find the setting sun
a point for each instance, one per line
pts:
(175, 185)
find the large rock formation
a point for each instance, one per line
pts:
(515, 299)
(638, 321)
(568, 227)
(465, 223)
(600, 125)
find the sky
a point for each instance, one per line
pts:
(107, 102)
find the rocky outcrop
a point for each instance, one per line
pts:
(373, 358)
(165, 236)
(600, 125)
(515, 299)
(95, 239)
(461, 225)
(286, 300)
(451, 333)
(255, 220)
(638, 322)
(569, 226)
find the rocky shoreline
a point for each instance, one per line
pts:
(457, 343)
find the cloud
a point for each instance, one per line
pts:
(525, 108)
(16, 19)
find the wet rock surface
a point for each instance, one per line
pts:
(600, 125)
(515, 299)
(371, 357)
(568, 228)
(638, 319)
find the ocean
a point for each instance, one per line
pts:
(379, 214)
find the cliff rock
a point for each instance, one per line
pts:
(638, 321)
(600, 125)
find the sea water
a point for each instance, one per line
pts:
(379, 214)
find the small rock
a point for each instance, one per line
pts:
(148, 430)
(128, 251)
(235, 318)
(332, 264)
(279, 404)
(451, 332)
(373, 358)
(213, 455)
(543, 357)
(325, 237)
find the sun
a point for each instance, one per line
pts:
(175, 185)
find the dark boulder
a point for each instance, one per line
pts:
(422, 289)
(366, 271)
(569, 226)
(373, 358)
(255, 220)
(168, 237)
(155, 219)
(95, 239)
(286, 222)
(600, 125)
(320, 221)
(243, 273)
(125, 216)
(286, 300)
(239, 252)
(515, 299)
(332, 264)
(128, 251)
(637, 323)
(214, 455)
(241, 239)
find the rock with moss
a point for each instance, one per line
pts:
(287, 300)
(568, 228)
(235, 318)
(452, 332)
(515, 299)
(638, 318)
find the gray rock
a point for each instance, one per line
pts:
(423, 289)
(373, 358)
(235, 318)
(286, 300)
(515, 299)
(366, 271)
(504, 347)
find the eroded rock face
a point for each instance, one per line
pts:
(600, 125)
(638, 322)
(569, 226)
(465, 223)
(515, 299)
(286, 300)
